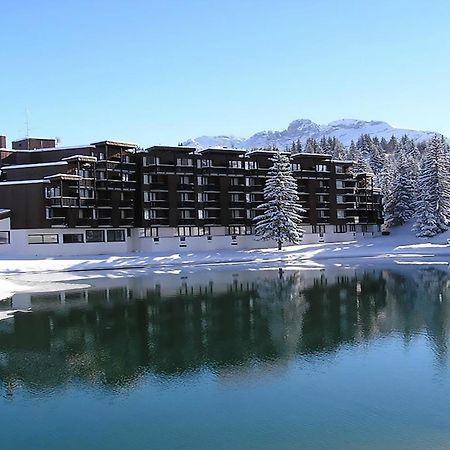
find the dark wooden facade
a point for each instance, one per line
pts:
(113, 184)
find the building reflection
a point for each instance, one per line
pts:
(175, 325)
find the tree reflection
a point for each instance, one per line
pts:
(113, 337)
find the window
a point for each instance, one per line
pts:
(204, 163)
(202, 181)
(4, 237)
(116, 235)
(234, 181)
(125, 177)
(321, 168)
(52, 192)
(251, 213)
(151, 160)
(149, 196)
(184, 180)
(251, 165)
(339, 199)
(340, 213)
(43, 239)
(340, 228)
(185, 162)
(339, 169)
(340, 184)
(101, 175)
(147, 178)
(86, 193)
(149, 214)
(296, 167)
(150, 232)
(318, 229)
(95, 236)
(236, 214)
(236, 198)
(235, 164)
(186, 197)
(186, 214)
(73, 238)
(101, 156)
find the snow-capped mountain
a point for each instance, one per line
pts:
(345, 130)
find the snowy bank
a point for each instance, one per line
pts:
(400, 245)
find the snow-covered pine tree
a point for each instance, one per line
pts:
(401, 198)
(354, 154)
(282, 214)
(312, 146)
(433, 206)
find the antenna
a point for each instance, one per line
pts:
(27, 122)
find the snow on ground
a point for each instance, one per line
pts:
(400, 245)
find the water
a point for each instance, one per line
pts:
(340, 358)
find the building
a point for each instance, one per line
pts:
(114, 197)
(69, 195)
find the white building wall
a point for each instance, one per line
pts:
(19, 245)
(165, 243)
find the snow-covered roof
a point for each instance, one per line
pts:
(81, 158)
(172, 147)
(221, 149)
(64, 176)
(342, 161)
(322, 155)
(13, 183)
(121, 144)
(31, 166)
(268, 152)
(5, 213)
(50, 149)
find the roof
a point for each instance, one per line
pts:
(5, 213)
(119, 143)
(13, 183)
(170, 147)
(51, 149)
(222, 149)
(30, 166)
(64, 176)
(320, 155)
(268, 152)
(80, 158)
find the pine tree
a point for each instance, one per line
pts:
(433, 206)
(282, 211)
(401, 198)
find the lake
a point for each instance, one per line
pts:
(341, 357)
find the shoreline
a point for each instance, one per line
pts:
(400, 246)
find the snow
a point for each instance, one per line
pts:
(12, 183)
(402, 246)
(345, 130)
(30, 166)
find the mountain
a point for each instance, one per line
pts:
(345, 130)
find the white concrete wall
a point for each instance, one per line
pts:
(166, 243)
(19, 245)
(5, 224)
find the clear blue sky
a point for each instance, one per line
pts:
(162, 71)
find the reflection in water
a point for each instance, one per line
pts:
(168, 326)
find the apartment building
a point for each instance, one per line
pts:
(112, 196)
(69, 195)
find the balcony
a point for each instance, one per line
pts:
(64, 202)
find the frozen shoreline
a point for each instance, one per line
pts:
(400, 245)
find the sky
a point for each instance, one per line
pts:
(160, 72)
